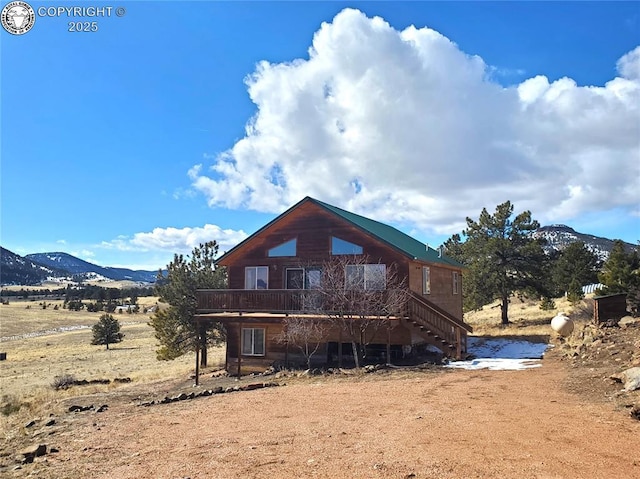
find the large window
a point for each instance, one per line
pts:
(426, 280)
(340, 246)
(256, 277)
(303, 278)
(284, 249)
(253, 341)
(312, 278)
(455, 278)
(366, 276)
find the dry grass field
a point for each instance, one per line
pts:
(525, 316)
(44, 343)
(27, 317)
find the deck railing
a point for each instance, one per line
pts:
(287, 301)
(294, 300)
(254, 300)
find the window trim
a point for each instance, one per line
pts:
(455, 278)
(426, 280)
(255, 286)
(253, 342)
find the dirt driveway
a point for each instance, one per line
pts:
(390, 424)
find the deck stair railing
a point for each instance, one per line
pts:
(438, 326)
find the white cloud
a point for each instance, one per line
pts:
(629, 65)
(403, 126)
(177, 240)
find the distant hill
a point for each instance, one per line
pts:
(560, 236)
(76, 266)
(14, 269)
(33, 269)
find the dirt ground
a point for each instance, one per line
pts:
(565, 419)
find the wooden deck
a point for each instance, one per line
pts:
(433, 324)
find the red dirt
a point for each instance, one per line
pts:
(433, 423)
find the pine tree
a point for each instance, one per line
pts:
(107, 331)
(501, 257)
(574, 292)
(576, 264)
(620, 271)
(175, 327)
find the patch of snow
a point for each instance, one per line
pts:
(496, 364)
(501, 354)
(58, 279)
(93, 276)
(46, 332)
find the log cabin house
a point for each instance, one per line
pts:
(270, 271)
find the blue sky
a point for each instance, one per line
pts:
(163, 129)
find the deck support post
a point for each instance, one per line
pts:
(226, 348)
(340, 347)
(388, 341)
(197, 364)
(286, 348)
(239, 348)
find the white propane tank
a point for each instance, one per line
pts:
(562, 325)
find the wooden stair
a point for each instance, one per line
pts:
(438, 327)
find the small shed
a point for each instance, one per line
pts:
(611, 306)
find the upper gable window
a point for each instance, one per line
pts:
(285, 249)
(340, 246)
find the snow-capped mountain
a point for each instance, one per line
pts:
(14, 269)
(34, 268)
(560, 236)
(76, 266)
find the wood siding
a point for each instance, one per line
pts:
(609, 307)
(441, 279)
(313, 228)
(279, 353)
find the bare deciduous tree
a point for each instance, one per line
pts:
(304, 333)
(359, 296)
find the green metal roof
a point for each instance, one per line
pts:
(392, 236)
(387, 234)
